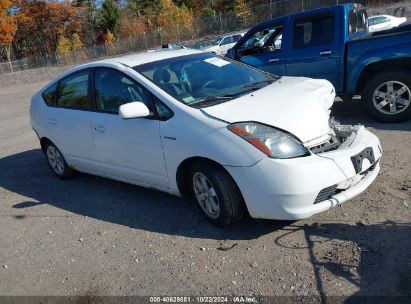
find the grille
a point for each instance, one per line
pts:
(330, 145)
(326, 193)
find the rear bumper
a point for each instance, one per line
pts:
(289, 189)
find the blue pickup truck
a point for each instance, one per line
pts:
(334, 43)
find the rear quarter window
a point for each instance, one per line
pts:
(358, 21)
(49, 94)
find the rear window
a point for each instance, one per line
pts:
(73, 91)
(49, 94)
(358, 21)
(312, 31)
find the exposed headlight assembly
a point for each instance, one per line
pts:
(271, 141)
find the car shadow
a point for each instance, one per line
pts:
(355, 112)
(373, 257)
(28, 174)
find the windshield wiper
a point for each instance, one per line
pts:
(211, 100)
(257, 84)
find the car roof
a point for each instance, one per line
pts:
(130, 60)
(133, 60)
(376, 16)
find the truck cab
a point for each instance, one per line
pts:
(307, 44)
(332, 43)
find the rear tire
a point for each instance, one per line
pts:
(388, 96)
(57, 162)
(216, 193)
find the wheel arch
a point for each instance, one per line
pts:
(183, 171)
(386, 65)
(43, 143)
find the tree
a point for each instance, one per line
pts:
(109, 16)
(76, 44)
(63, 45)
(243, 12)
(7, 28)
(141, 8)
(175, 22)
(41, 23)
(131, 26)
(109, 42)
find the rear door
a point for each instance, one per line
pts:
(70, 121)
(313, 50)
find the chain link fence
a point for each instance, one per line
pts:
(209, 27)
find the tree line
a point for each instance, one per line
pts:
(41, 27)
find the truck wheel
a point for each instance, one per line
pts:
(388, 96)
(216, 193)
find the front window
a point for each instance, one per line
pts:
(262, 42)
(202, 80)
(227, 40)
(357, 20)
(113, 89)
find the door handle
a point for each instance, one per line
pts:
(52, 121)
(100, 129)
(324, 53)
(273, 60)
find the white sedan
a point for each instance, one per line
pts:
(384, 22)
(230, 137)
(221, 45)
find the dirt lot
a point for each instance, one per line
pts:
(93, 236)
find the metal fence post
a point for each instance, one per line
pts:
(271, 12)
(221, 24)
(145, 40)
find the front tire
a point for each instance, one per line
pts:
(216, 193)
(57, 162)
(388, 96)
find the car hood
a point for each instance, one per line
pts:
(300, 106)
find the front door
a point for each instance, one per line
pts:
(264, 49)
(128, 149)
(313, 51)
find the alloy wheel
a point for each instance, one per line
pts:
(206, 195)
(55, 159)
(392, 97)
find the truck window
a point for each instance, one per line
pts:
(263, 41)
(312, 31)
(358, 21)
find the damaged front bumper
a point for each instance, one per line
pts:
(291, 189)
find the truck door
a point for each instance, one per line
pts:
(264, 49)
(313, 50)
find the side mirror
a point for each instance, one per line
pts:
(135, 109)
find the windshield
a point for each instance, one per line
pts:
(202, 80)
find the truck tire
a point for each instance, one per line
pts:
(216, 193)
(388, 96)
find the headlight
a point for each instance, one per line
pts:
(272, 142)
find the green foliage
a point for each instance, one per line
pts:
(109, 16)
(144, 7)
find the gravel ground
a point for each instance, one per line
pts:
(94, 236)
